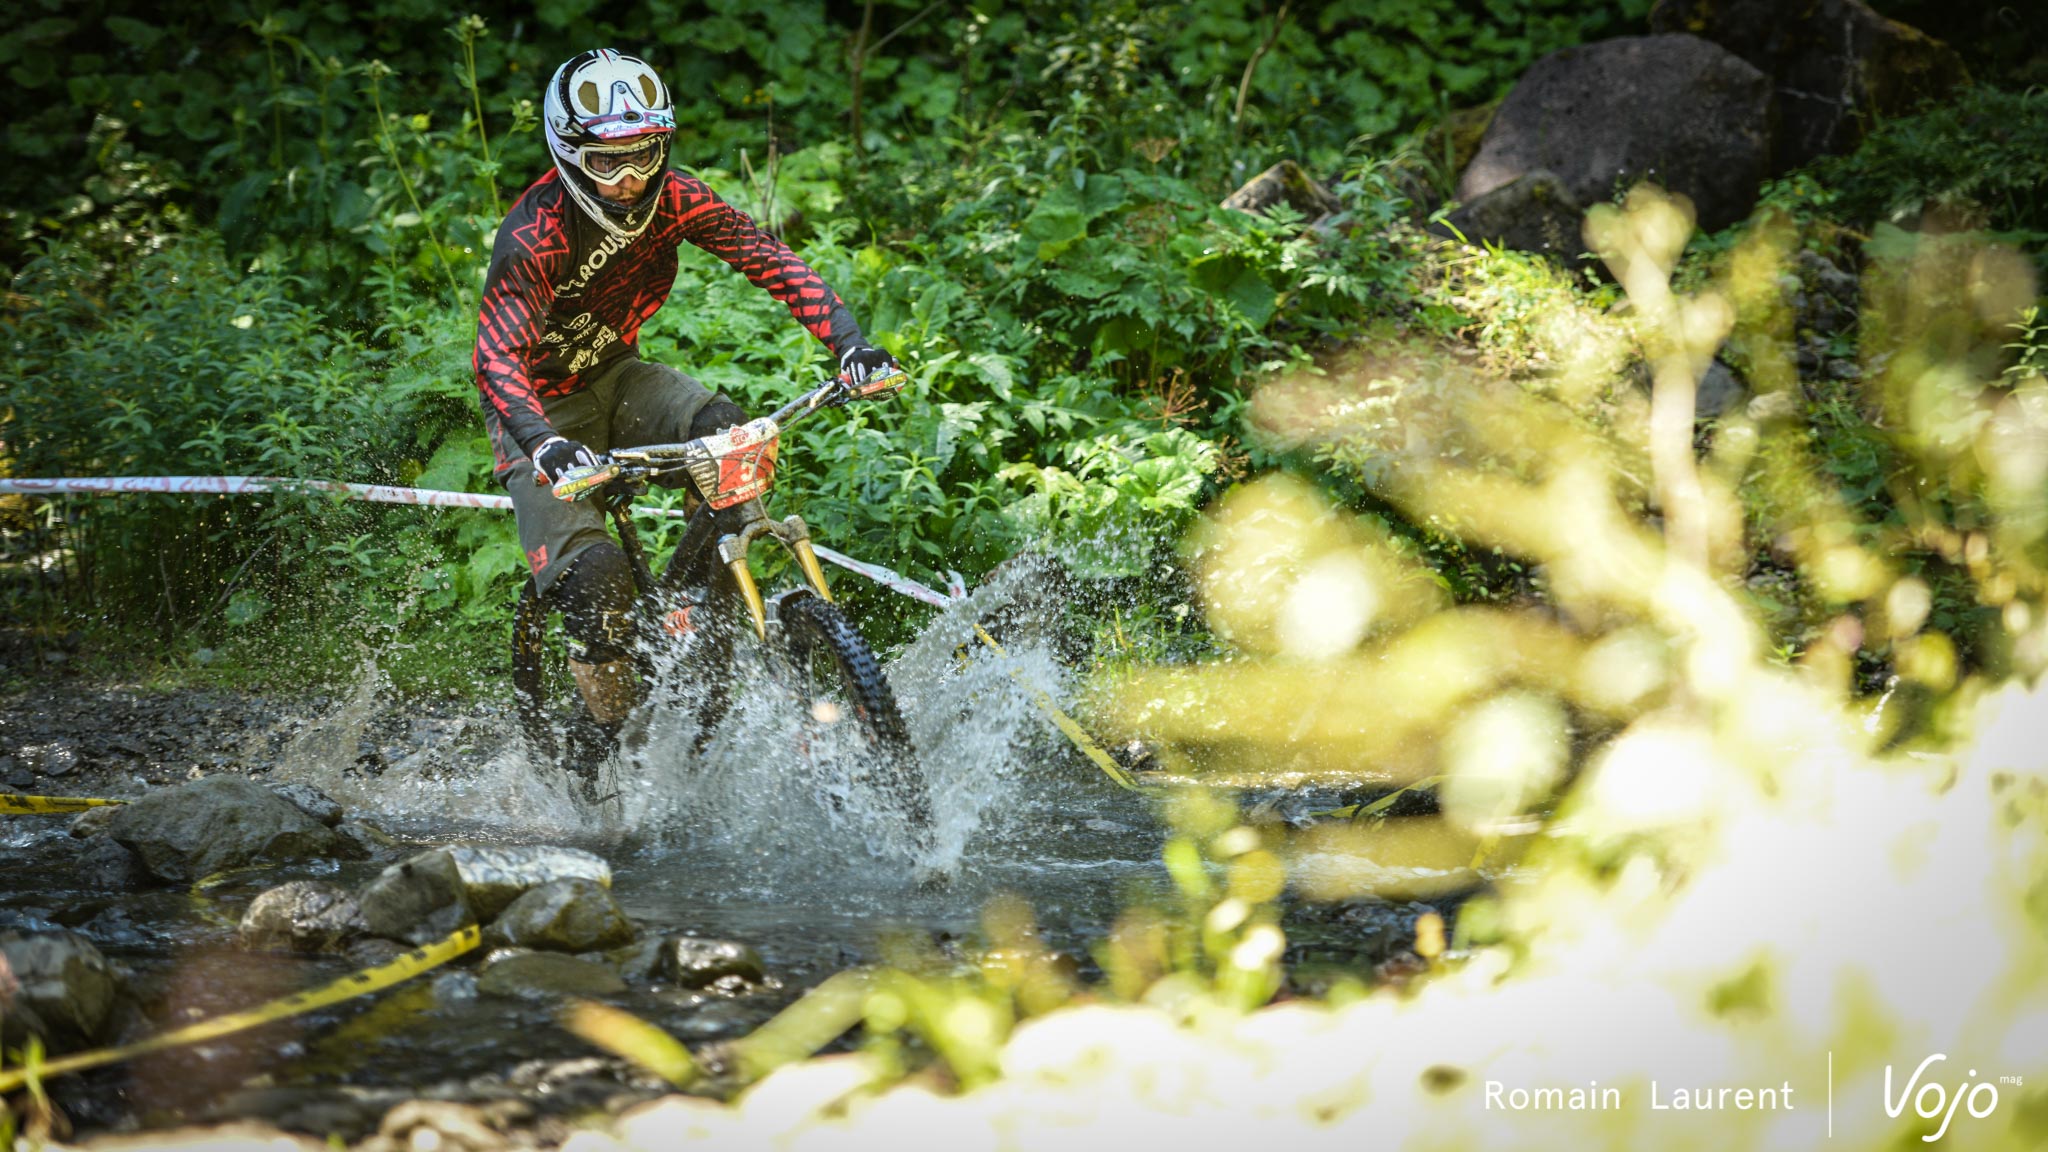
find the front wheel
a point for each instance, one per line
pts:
(843, 680)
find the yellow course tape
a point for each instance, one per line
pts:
(1067, 725)
(1361, 811)
(347, 988)
(16, 804)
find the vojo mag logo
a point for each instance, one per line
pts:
(1931, 1099)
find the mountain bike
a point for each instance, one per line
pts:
(706, 600)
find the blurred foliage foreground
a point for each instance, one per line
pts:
(1703, 869)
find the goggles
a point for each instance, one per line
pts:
(609, 164)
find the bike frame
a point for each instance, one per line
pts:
(627, 471)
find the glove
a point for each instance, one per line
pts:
(557, 455)
(863, 363)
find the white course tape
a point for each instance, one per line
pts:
(887, 577)
(247, 485)
(425, 497)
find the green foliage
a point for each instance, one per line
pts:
(188, 367)
(1028, 217)
(1976, 160)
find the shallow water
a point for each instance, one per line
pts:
(764, 839)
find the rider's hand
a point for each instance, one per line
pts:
(557, 455)
(863, 362)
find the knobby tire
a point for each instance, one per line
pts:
(812, 626)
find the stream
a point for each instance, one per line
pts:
(762, 839)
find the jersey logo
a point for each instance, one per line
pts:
(542, 237)
(591, 266)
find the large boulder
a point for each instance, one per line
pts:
(1690, 115)
(422, 899)
(302, 916)
(574, 915)
(55, 985)
(1837, 65)
(183, 834)
(1533, 213)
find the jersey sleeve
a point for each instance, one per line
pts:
(731, 235)
(518, 288)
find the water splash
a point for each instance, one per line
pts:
(774, 802)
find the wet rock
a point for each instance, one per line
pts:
(92, 821)
(1720, 391)
(367, 837)
(349, 1113)
(1284, 183)
(1292, 809)
(574, 915)
(14, 773)
(639, 963)
(418, 900)
(455, 987)
(723, 965)
(312, 801)
(370, 952)
(58, 986)
(186, 833)
(302, 916)
(424, 898)
(1689, 114)
(1534, 212)
(107, 866)
(59, 758)
(547, 976)
(718, 1020)
(1837, 65)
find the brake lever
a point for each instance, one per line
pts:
(877, 387)
(577, 483)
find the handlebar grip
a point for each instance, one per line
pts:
(877, 387)
(576, 483)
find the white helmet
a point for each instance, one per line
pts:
(608, 116)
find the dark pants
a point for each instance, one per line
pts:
(630, 402)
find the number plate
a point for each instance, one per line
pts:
(736, 465)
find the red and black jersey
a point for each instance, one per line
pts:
(564, 297)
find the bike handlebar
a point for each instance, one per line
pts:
(650, 460)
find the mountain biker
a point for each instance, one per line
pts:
(585, 256)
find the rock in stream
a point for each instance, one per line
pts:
(55, 985)
(302, 916)
(574, 915)
(186, 833)
(424, 898)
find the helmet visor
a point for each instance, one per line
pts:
(609, 164)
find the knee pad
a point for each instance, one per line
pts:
(716, 415)
(596, 599)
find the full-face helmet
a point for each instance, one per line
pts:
(607, 117)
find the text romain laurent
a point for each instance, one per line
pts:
(1594, 1098)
